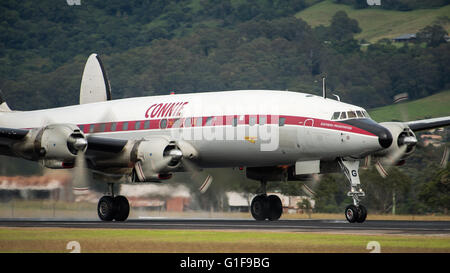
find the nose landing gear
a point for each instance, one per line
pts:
(355, 212)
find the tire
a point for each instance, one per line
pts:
(105, 208)
(351, 213)
(275, 207)
(259, 207)
(122, 208)
(362, 214)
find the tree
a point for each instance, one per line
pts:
(433, 35)
(436, 193)
(340, 33)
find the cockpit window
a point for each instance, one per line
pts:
(343, 115)
(366, 114)
(351, 114)
(360, 114)
(335, 115)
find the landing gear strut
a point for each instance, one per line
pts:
(266, 207)
(355, 212)
(112, 207)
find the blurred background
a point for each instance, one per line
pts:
(369, 53)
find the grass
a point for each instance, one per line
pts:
(166, 241)
(376, 23)
(436, 105)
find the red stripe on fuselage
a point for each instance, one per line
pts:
(227, 120)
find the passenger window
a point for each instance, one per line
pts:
(252, 121)
(125, 126)
(163, 124)
(147, 124)
(199, 122)
(235, 121)
(91, 128)
(208, 121)
(351, 114)
(102, 127)
(262, 120)
(81, 128)
(187, 122)
(177, 123)
(281, 121)
(113, 126)
(137, 125)
(335, 115)
(343, 115)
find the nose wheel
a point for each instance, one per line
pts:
(355, 213)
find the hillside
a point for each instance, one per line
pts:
(377, 23)
(436, 105)
(154, 47)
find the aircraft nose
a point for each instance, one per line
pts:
(383, 134)
(384, 137)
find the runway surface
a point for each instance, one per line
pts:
(335, 226)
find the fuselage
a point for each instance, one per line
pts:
(228, 129)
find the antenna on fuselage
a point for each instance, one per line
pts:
(324, 88)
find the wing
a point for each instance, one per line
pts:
(9, 136)
(426, 124)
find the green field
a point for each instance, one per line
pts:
(376, 23)
(166, 241)
(437, 105)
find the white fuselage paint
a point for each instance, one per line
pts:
(312, 136)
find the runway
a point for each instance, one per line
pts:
(335, 226)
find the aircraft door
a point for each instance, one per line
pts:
(304, 135)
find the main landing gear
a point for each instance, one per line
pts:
(112, 207)
(266, 207)
(355, 212)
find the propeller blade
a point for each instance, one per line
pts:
(381, 170)
(389, 161)
(198, 175)
(204, 187)
(80, 178)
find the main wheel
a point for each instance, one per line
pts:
(259, 207)
(351, 213)
(122, 208)
(105, 208)
(275, 207)
(362, 214)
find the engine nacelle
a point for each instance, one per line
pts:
(154, 159)
(404, 141)
(58, 143)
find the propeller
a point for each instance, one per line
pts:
(80, 178)
(389, 161)
(189, 154)
(201, 178)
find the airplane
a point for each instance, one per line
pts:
(274, 135)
